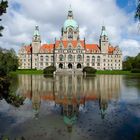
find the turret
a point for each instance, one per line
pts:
(104, 41)
(36, 41)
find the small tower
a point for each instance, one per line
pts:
(36, 41)
(104, 41)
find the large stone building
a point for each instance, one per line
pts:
(70, 52)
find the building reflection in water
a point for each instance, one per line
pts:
(70, 92)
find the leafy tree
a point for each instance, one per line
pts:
(9, 61)
(132, 63)
(3, 6)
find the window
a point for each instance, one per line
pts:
(47, 58)
(70, 33)
(70, 57)
(41, 58)
(79, 58)
(98, 59)
(51, 58)
(88, 58)
(93, 59)
(61, 57)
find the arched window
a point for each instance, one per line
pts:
(61, 57)
(93, 58)
(70, 57)
(47, 58)
(98, 58)
(41, 58)
(70, 33)
(79, 58)
(88, 58)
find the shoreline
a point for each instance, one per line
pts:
(99, 72)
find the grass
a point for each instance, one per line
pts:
(121, 72)
(27, 72)
(112, 72)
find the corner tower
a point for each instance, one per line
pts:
(36, 41)
(104, 40)
(70, 29)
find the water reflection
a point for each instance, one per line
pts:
(70, 93)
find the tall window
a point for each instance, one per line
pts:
(70, 33)
(41, 58)
(70, 57)
(61, 57)
(88, 58)
(79, 58)
(93, 59)
(98, 59)
(47, 58)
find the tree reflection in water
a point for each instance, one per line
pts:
(8, 94)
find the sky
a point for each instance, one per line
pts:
(117, 15)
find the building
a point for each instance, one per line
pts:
(70, 52)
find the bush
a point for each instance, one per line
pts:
(49, 70)
(135, 71)
(89, 70)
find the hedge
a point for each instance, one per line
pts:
(89, 70)
(49, 70)
(135, 71)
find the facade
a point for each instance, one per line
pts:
(70, 52)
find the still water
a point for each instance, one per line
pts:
(104, 107)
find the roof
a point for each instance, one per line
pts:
(27, 48)
(47, 47)
(92, 47)
(111, 49)
(70, 22)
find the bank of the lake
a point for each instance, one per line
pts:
(27, 72)
(108, 72)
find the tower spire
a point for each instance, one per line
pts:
(36, 31)
(103, 32)
(70, 13)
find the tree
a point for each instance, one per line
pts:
(3, 6)
(137, 13)
(9, 61)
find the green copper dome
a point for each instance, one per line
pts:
(70, 22)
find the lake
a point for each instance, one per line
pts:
(72, 107)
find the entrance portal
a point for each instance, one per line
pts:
(79, 66)
(70, 66)
(60, 65)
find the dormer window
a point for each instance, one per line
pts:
(70, 34)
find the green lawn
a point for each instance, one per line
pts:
(27, 72)
(114, 72)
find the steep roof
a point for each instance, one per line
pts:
(46, 48)
(92, 47)
(111, 49)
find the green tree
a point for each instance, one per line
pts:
(137, 13)
(9, 61)
(3, 6)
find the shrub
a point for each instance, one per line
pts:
(49, 70)
(135, 71)
(89, 70)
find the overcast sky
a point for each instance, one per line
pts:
(116, 15)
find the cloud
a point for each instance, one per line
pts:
(50, 15)
(130, 47)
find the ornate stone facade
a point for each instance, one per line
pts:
(70, 52)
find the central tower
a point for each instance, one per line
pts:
(70, 29)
